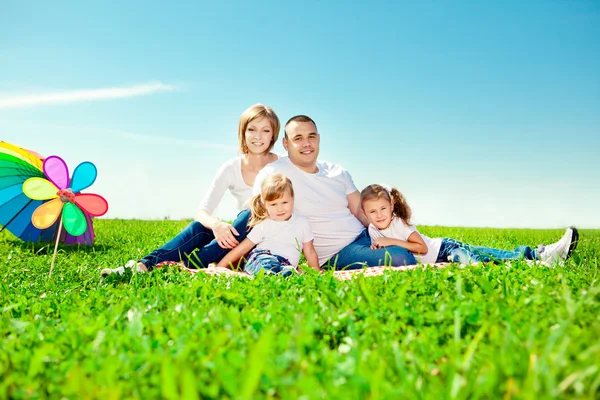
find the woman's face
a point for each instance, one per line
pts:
(259, 134)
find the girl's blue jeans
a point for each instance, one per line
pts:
(455, 251)
(271, 263)
(196, 245)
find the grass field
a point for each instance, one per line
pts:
(488, 331)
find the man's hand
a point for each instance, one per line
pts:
(224, 233)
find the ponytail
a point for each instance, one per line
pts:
(258, 211)
(401, 208)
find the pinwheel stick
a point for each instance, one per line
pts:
(56, 246)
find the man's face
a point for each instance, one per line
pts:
(302, 145)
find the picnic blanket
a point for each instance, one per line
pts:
(341, 275)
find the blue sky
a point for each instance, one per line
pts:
(481, 113)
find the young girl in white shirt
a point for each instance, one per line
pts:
(389, 217)
(279, 235)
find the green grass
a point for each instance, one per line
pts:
(481, 332)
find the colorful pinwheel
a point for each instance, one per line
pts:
(16, 166)
(64, 196)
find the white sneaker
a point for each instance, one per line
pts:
(561, 250)
(131, 264)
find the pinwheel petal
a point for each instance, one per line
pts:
(83, 176)
(93, 204)
(39, 189)
(74, 220)
(45, 215)
(57, 172)
(30, 158)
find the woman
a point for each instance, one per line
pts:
(207, 239)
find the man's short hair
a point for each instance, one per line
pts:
(299, 118)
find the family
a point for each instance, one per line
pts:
(298, 205)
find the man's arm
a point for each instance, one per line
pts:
(354, 206)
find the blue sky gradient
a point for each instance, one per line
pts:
(481, 113)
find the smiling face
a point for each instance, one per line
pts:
(280, 209)
(378, 212)
(302, 144)
(258, 136)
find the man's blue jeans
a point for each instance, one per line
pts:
(359, 254)
(196, 245)
(455, 251)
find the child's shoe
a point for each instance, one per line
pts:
(131, 264)
(561, 250)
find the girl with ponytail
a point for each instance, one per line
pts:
(389, 216)
(279, 235)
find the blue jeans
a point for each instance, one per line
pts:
(196, 245)
(358, 254)
(455, 251)
(271, 263)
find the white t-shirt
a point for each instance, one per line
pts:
(229, 176)
(398, 230)
(284, 238)
(322, 199)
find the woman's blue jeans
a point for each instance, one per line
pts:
(455, 251)
(196, 245)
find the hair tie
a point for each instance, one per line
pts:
(386, 187)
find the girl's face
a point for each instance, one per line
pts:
(281, 209)
(378, 212)
(259, 134)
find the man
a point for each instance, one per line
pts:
(326, 195)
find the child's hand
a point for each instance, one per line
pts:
(381, 243)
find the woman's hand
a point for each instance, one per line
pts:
(225, 235)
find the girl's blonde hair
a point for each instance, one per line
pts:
(400, 207)
(255, 112)
(272, 188)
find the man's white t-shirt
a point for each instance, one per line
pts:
(322, 199)
(283, 238)
(398, 230)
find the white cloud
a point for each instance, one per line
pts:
(76, 96)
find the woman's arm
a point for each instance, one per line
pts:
(224, 232)
(311, 256)
(414, 244)
(235, 254)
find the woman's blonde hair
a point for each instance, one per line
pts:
(254, 112)
(272, 188)
(400, 207)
